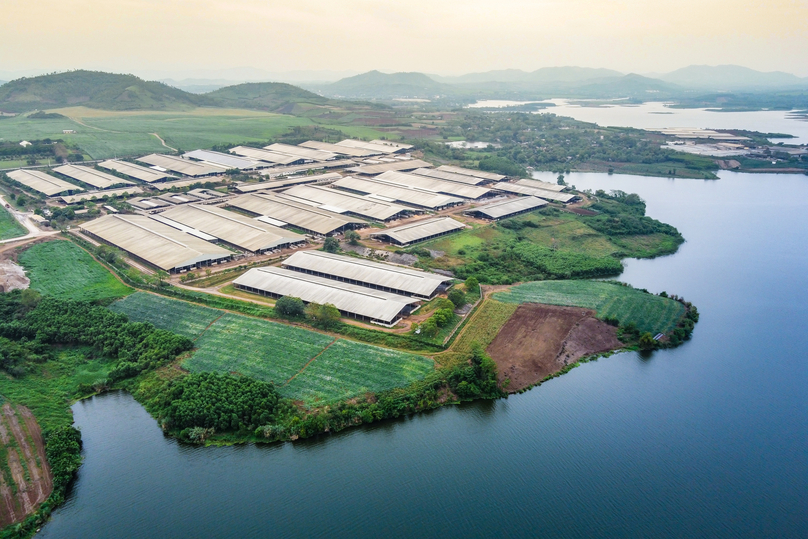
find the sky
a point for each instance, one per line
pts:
(204, 38)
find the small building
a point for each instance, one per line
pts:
(25, 143)
(419, 231)
(69, 131)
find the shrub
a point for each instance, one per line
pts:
(331, 245)
(457, 297)
(290, 306)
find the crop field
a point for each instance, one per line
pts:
(179, 317)
(9, 226)
(64, 270)
(348, 368)
(649, 312)
(484, 325)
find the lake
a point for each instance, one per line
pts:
(655, 115)
(707, 440)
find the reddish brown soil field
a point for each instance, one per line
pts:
(26, 453)
(539, 340)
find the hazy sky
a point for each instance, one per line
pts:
(434, 36)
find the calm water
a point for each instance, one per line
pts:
(708, 440)
(657, 115)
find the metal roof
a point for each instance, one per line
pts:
(471, 172)
(295, 213)
(365, 272)
(135, 171)
(228, 226)
(421, 230)
(408, 164)
(249, 187)
(336, 148)
(348, 298)
(41, 182)
(90, 176)
(504, 208)
(72, 199)
(267, 156)
(433, 184)
(160, 245)
(299, 151)
(221, 159)
(378, 148)
(150, 203)
(547, 186)
(530, 191)
(450, 176)
(351, 203)
(394, 193)
(180, 165)
(396, 145)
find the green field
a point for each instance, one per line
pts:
(64, 270)
(348, 368)
(649, 312)
(276, 353)
(9, 226)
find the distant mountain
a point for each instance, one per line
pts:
(269, 96)
(93, 89)
(543, 75)
(631, 85)
(375, 84)
(731, 77)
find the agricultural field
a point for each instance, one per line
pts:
(484, 325)
(9, 226)
(348, 368)
(64, 270)
(180, 317)
(650, 313)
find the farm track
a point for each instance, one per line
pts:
(321, 352)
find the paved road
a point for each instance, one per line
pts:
(25, 220)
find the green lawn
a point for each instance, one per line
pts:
(64, 270)
(651, 313)
(9, 226)
(275, 352)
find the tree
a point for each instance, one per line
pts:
(429, 328)
(161, 276)
(353, 237)
(647, 341)
(472, 284)
(331, 245)
(457, 297)
(325, 315)
(290, 306)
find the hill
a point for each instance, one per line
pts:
(375, 84)
(731, 77)
(543, 75)
(268, 96)
(93, 89)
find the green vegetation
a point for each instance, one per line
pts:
(610, 300)
(180, 317)
(64, 270)
(347, 369)
(483, 327)
(9, 226)
(290, 306)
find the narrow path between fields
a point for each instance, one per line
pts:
(93, 127)
(207, 328)
(163, 142)
(310, 362)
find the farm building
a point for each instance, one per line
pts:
(386, 277)
(148, 204)
(219, 159)
(154, 243)
(99, 195)
(489, 176)
(298, 151)
(182, 166)
(388, 192)
(42, 183)
(273, 158)
(397, 146)
(372, 170)
(285, 211)
(348, 203)
(419, 231)
(352, 301)
(538, 184)
(276, 172)
(231, 228)
(385, 146)
(251, 187)
(531, 191)
(433, 184)
(90, 176)
(144, 174)
(449, 176)
(507, 208)
(337, 149)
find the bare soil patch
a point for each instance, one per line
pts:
(539, 340)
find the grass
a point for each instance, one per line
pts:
(64, 270)
(348, 368)
(484, 325)
(650, 313)
(9, 226)
(179, 317)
